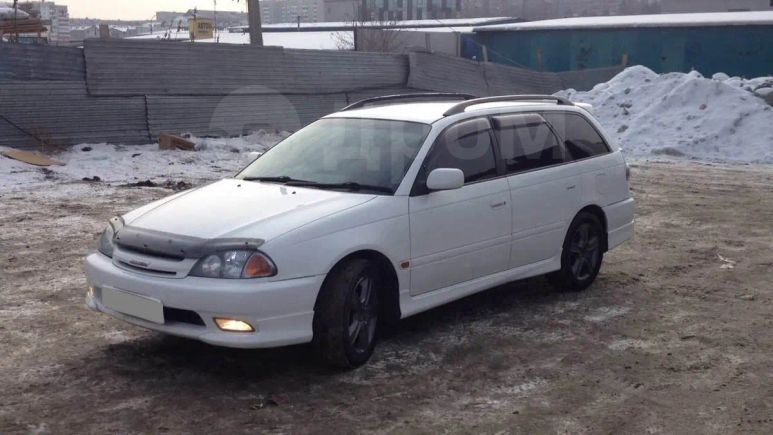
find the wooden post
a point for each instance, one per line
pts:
(104, 31)
(256, 29)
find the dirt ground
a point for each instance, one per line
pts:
(676, 336)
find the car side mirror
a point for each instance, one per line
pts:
(445, 179)
(254, 155)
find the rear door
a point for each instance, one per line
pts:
(462, 234)
(601, 172)
(544, 190)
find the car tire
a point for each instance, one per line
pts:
(582, 254)
(346, 316)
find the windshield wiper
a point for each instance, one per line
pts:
(349, 185)
(279, 179)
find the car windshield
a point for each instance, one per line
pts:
(343, 153)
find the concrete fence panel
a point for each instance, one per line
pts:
(237, 114)
(176, 68)
(326, 71)
(62, 113)
(443, 73)
(41, 62)
(505, 80)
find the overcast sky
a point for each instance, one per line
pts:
(141, 9)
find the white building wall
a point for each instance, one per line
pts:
(288, 11)
(58, 16)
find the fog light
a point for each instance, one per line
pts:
(233, 325)
(93, 293)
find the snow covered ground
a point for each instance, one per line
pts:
(325, 40)
(685, 115)
(670, 116)
(322, 40)
(123, 164)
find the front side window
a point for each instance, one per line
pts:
(526, 142)
(581, 139)
(466, 146)
(367, 152)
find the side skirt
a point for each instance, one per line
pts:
(410, 305)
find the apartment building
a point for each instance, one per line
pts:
(290, 11)
(55, 17)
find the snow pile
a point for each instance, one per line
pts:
(213, 159)
(685, 115)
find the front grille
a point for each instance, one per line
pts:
(142, 269)
(182, 316)
(150, 252)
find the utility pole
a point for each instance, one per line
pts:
(15, 21)
(215, 34)
(256, 30)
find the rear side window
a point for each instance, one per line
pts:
(526, 142)
(466, 146)
(581, 139)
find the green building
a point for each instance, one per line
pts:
(736, 43)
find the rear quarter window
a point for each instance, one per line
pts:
(581, 139)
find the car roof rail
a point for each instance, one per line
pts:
(460, 108)
(390, 98)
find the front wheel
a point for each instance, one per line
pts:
(583, 253)
(346, 315)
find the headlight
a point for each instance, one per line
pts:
(234, 265)
(106, 242)
(105, 245)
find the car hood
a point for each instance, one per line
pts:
(236, 208)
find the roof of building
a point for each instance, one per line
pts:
(343, 25)
(7, 13)
(636, 21)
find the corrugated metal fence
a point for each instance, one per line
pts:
(131, 91)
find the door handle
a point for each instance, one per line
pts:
(499, 204)
(572, 187)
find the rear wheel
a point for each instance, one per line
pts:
(583, 253)
(347, 314)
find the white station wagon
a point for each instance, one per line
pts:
(388, 208)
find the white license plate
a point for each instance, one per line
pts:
(141, 307)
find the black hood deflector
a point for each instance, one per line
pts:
(175, 246)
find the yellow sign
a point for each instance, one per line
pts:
(201, 28)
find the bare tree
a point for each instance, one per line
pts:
(366, 35)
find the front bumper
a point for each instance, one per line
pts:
(281, 312)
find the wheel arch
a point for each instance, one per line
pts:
(390, 295)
